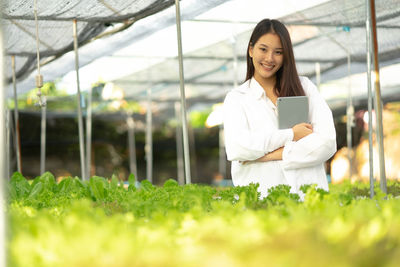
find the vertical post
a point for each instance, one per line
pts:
(3, 171)
(179, 145)
(183, 98)
(16, 119)
(131, 144)
(378, 102)
(235, 62)
(149, 138)
(192, 150)
(9, 128)
(222, 156)
(79, 102)
(89, 134)
(318, 74)
(370, 123)
(41, 99)
(43, 141)
(350, 118)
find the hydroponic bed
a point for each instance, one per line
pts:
(102, 223)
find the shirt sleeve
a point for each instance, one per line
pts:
(317, 147)
(243, 143)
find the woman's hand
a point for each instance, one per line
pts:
(274, 155)
(301, 130)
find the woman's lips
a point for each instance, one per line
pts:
(268, 66)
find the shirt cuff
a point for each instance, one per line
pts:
(278, 139)
(290, 135)
(287, 135)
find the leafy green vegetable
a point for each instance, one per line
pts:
(100, 223)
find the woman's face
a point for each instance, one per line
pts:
(267, 56)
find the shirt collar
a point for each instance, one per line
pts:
(256, 89)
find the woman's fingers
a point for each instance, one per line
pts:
(301, 130)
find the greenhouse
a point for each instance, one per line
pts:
(113, 135)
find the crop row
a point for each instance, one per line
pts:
(101, 223)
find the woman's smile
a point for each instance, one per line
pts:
(268, 66)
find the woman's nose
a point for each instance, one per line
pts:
(269, 56)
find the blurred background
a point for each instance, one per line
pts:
(130, 85)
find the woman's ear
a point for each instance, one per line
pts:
(251, 50)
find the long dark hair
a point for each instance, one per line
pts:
(287, 79)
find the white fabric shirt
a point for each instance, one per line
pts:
(251, 131)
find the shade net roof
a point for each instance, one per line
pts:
(55, 25)
(96, 19)
(324, 35)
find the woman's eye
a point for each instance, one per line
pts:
(263, 49)
(279, 52)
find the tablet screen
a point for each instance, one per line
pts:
(292, 110)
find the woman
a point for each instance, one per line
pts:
(259, 151)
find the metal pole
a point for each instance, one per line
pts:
(41, 99)
(318, 74)
(43, 141)
(89, 134)
(8, 138)
(378, 103)
(3, 171)
(222, 156)
(183, 98)
(370, 141)
(350, 118)
(235, 63)
(149, 138)
(131, 144)
(79, 100)
(192, 150)
(179, 146)
(16, 119)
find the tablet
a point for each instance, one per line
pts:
(292, 110)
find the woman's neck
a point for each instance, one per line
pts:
(268, 84)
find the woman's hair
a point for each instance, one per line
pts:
(287, 79)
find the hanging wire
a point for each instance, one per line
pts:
(41, 98)
(39, 77)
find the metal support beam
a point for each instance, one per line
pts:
(43, 141)
(131, 144)
(350, 118)
(41, 98)
(183, 98)
(370, 99)
(149, 138)
(3, 171)
(8, 129)
(222, 154)
(179, 145)
(378, 102)
(16, 119)
(318, 75)
(89, 134)
(79, 102)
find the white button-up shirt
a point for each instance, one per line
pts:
(251, 131)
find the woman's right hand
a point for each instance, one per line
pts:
(301, 130)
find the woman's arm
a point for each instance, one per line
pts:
(274, 155)
(299, 130)
(243, 143)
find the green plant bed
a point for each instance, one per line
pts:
(102, 223)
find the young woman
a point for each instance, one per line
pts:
(259, 151)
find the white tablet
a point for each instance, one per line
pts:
(292, 110)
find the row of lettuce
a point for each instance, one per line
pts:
(102, 222)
